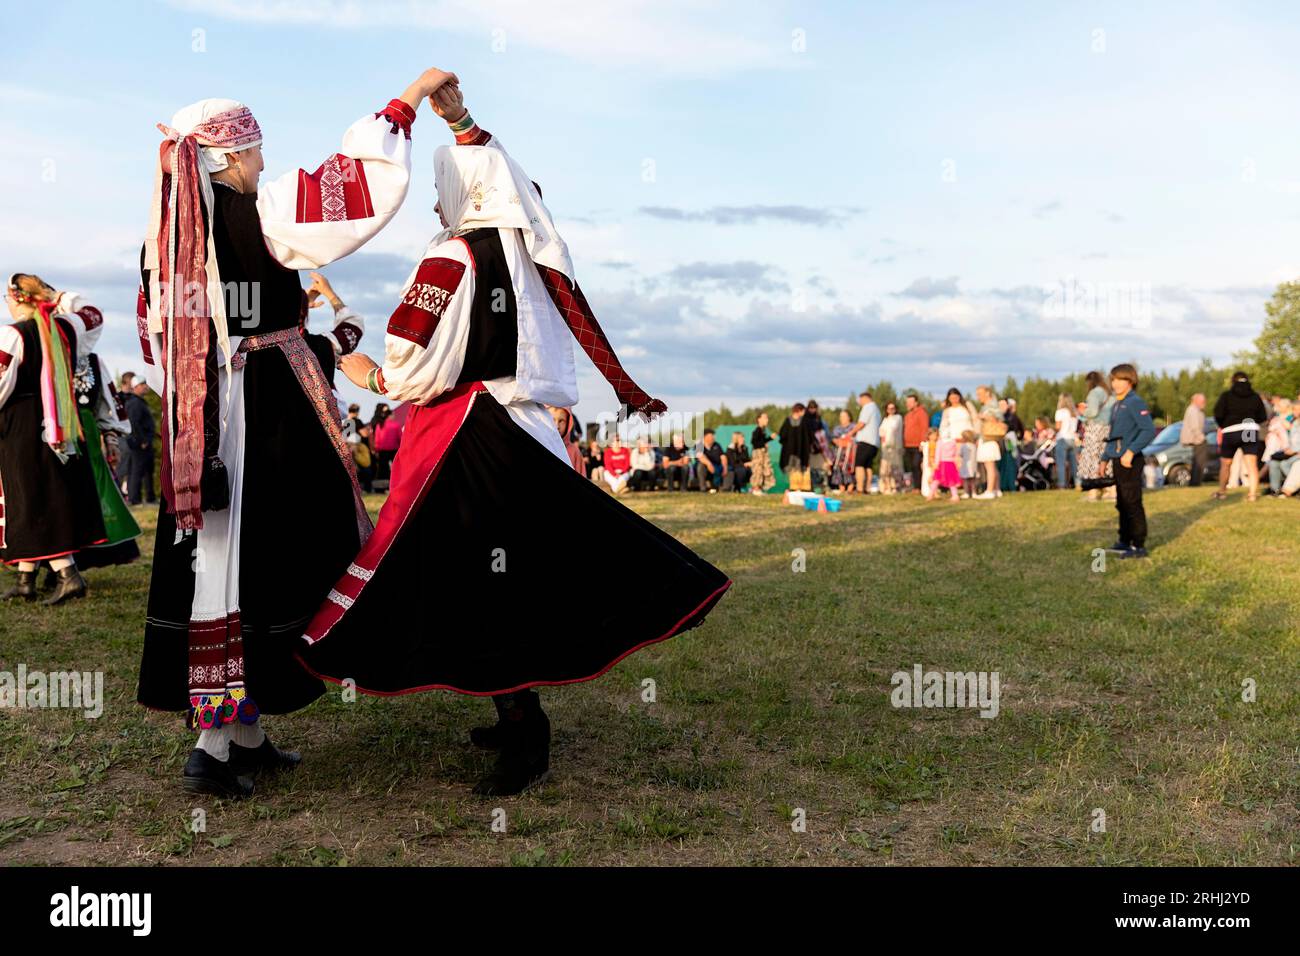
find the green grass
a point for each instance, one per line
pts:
(1121, 690)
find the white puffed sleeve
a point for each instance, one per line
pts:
(87, 320)
(424, 348)
(312, 219)
(11, 356)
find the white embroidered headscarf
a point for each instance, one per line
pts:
(181, 259)
(483, 187)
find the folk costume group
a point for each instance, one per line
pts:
(60, 423)
(268, 577)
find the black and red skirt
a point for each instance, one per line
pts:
(468, 582)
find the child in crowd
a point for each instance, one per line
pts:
(1131, 430)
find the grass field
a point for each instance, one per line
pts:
(1121, 690)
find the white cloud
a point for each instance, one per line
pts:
(668, 34)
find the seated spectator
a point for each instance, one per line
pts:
(738, 464)
(617, 465)
(643, 467)
(1286, 447)
(677, 464)
(595, 462)
(710, 463)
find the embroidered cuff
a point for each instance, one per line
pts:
(399, 114)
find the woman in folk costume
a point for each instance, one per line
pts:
(103, 422)
(48, 506)
(456, 588)
(261, 508)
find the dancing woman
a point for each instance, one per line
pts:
(261, 504)
(456, 588)
(49, 509)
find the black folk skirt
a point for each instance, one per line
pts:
(50, 509)
(495, 567)
(298, 531)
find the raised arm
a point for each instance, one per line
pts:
(312, 219)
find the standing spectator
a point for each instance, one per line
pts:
(563, 419)
(1014, 425)
(916, 426)
(352, 423)
(738, 463)
(795, 450)
(387, 438)
(711, 463)
(363, 458)
(677, 462)
(595, 462)
(1097, 407)
(764, 477)
(1066, 451)
(957, 425)
(866, 433)
(140, 475)
(643, 466)
(1193, 436)
(125, 389)
(818, 445)
(1241, 415)
(618, 465)
(891, 451)
(1131, 430)
(992, 429)
(842, 468)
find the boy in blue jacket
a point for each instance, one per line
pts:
(1131, 430)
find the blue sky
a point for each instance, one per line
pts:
(765, 201)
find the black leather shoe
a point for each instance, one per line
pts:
(24, 588)
(491, 738)
(204, 773)
(525, 756)
(250, 761)
(486, 738)
(69, 585)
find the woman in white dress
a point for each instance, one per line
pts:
(958, 424)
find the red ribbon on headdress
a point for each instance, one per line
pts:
(184, 298)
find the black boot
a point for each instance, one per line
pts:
(49, 581)
(525, 756)
(69, 585)
(489, 738)
(204, 773)
(24, 587)
(250, 761)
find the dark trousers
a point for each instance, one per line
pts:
(708, 479)
(139, 476)
(1128, 502)
(1200, 455)
(912, 464)
(736, 479)
(677, 476)
(642, 480)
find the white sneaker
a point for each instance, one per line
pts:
(986, 496)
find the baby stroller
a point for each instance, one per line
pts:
(1033, 466)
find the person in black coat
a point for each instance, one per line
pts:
(1242, 417)
(139, 474)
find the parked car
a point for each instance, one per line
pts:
(1175, 460)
